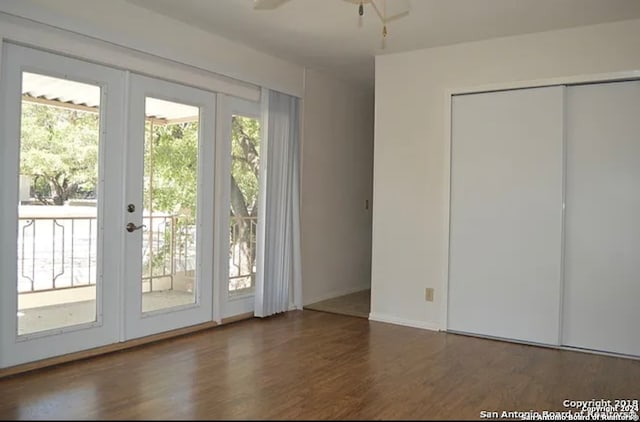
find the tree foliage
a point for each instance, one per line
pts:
(174, 154)
(171, 160)
(171, 169)
(59, 150)
(245, 153)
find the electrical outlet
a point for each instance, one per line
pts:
(428, 294)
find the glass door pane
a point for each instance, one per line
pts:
(245, 170)
(57, 236)
(170, 204)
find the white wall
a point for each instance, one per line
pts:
(337, 159)
(411, 164)
(128, 25)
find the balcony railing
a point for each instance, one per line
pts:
(61, 252)
(56, 253)
(242, 253)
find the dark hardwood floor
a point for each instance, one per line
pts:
(315, 365)
(354, 304)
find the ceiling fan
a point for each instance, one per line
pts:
(379, 6)
(268, 4)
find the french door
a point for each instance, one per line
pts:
(106, 224)
(61, 182)
(241, 149)
(169, 207)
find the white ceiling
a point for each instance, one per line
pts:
(325, 34)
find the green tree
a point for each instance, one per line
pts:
(173, 153)
(171, 159)
(171, 169)
(245, 164)
(59, 150)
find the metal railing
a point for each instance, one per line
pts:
(168, 248)
(242, 253)
(60, 252)
(158, 247)
(57, 253)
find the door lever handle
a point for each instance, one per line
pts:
(132, 227)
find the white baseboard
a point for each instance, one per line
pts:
(335, 293)
(406, 322)
(293, 307)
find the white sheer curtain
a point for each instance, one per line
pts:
(279, 287)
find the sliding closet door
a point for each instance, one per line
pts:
(602, 258)
(506, 214)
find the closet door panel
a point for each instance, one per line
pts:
(602, 256)
(506, 214)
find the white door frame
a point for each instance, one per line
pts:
(20, 349)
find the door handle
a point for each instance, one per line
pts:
(132, 227)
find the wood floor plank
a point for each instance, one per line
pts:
(356, 304)
(315, 365)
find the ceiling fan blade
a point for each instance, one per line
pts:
(267, 4)
(395, 17)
